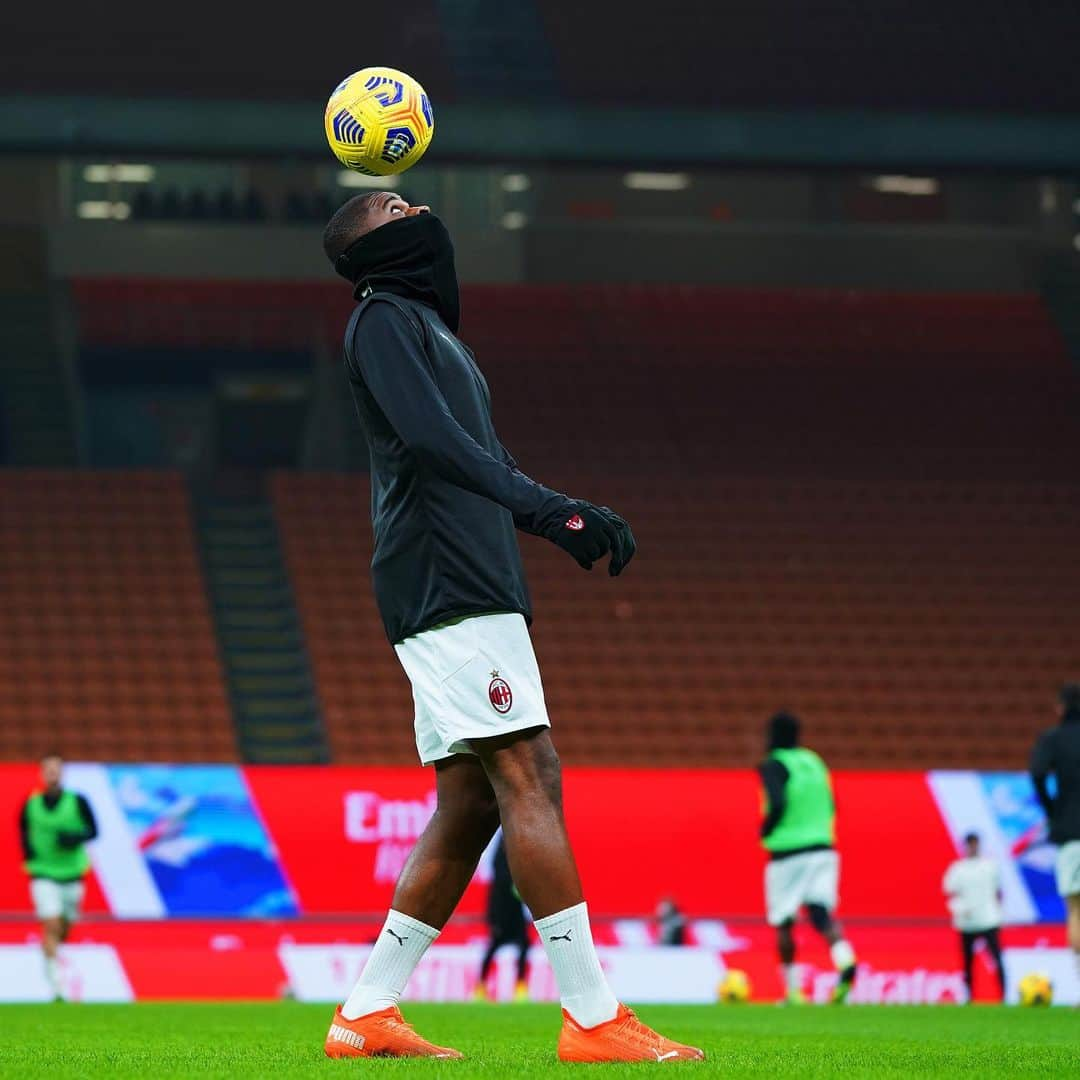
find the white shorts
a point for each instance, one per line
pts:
(472, 680)
(792, 883)
(55, 898)
(1067, 870)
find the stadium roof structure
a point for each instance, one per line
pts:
(553, 132)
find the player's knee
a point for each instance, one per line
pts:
(546, 767)
(476, 809)
(820, 918)
(525, 763)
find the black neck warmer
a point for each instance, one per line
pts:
(413, 258)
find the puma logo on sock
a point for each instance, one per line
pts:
(397, 937)
(562, 937)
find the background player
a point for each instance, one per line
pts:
(972, 885)
(506, 920)
(1057, 754)
(55, 825)
(449, 583)
(804, 867)
(670, 923)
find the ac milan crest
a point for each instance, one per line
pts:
(499, 694)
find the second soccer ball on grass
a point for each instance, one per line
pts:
(734, 987)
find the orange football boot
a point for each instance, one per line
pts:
(625, 1038)
(379, 1034)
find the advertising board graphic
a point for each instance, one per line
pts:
(255, 959)
(208, 841)
(202, 839)
(176, 840)
(1001, 807)
(87, 973)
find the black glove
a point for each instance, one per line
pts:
(625, 546)
(591, 533)
(69, 840)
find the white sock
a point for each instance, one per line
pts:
(791, 978)
(843, 955)
(52, 974)
(583, 988)
(401, 943)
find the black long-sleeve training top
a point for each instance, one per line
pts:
(446, 496)
(1057, 753)
(774, 778)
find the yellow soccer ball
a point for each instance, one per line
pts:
(734, 987)
(379, 121)
(1036, 989)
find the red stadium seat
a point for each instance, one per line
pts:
(861, 507)
(107, 648)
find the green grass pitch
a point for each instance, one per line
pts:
(152, 1042)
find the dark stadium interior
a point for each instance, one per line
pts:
(794, 288)
(900, 54)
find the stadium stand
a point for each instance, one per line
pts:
(735, 55)
(862, 507)
(107, 650)
(326, 536)
(117, 61)
(768, 53)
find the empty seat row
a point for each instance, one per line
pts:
(107, 647)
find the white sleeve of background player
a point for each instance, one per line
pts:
(949, 884)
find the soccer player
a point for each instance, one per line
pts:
(670, 923)
(804, 868)
(446, 497)
(506, 919)
(1057, 754)
(55, 825)
(972, 886)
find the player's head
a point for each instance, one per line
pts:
(52, 768)
(971, 844)
(783, 731)
(359, 216)
(1069, 696)
(380, 243)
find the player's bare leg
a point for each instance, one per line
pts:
(435, 876)
(53, 933)
(442, 863)
(843, 955)
(1072, 905)
(527, 779)
(993, 946)
(785, 948)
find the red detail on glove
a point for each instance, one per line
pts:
(575, 524)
